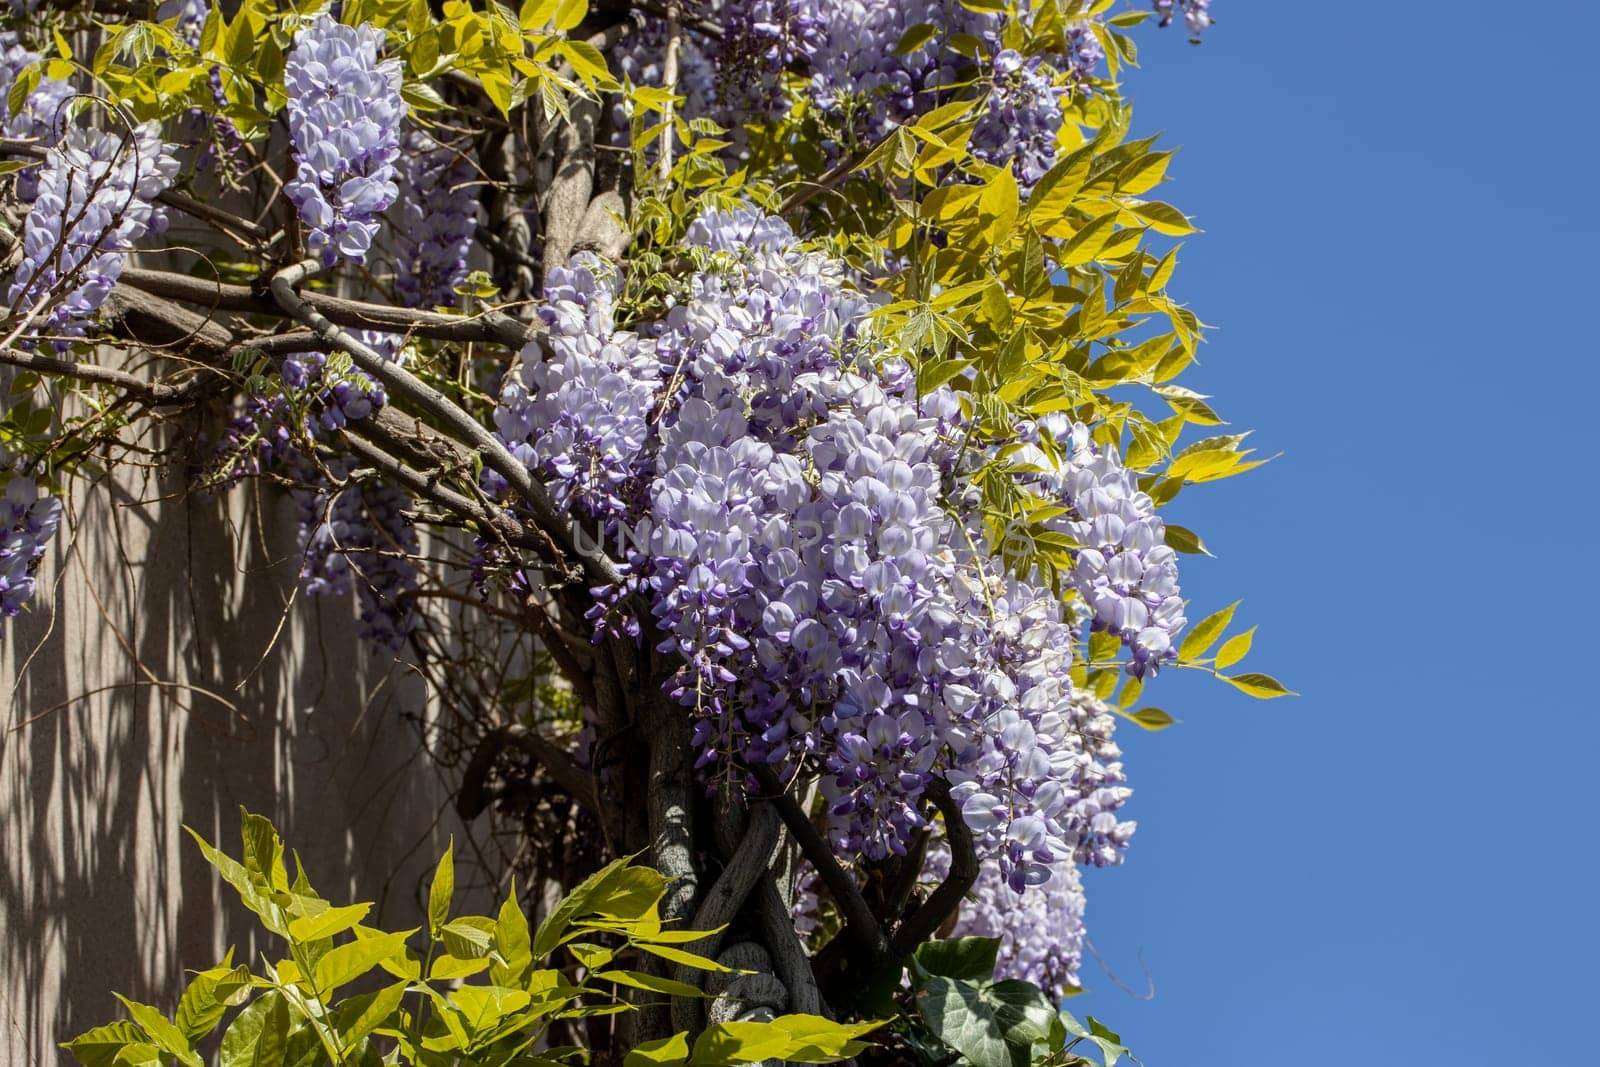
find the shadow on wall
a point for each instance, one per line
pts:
(166, 676)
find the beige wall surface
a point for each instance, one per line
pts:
(166, 675)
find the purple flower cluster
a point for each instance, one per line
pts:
(784, 502)
(41, 116)
(1196, 14)
(344, 127)
(95, 198)
(580, 418)
(1041, 934)
(760, 39)
(435, 219)
(1125, 572)
(353, 537)
(1022, 117)
(28, 519)
(359, 538)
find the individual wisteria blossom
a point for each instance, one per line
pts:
(784, 504)
(434, 220)
(1125, 572)
(41, 116)
(96, 197)
(28, 519)
(344, 115)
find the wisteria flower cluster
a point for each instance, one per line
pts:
(1196, 14)
(344, 113)
(96, 197)
(28, 519)
(435, 219)
(353, 537)
(359, 538)
(1125, 572)
(41, 116)
(1041, 934)
(783, 504)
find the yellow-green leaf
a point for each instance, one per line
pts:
(1206, 632)
(1260, 686)
(1234, 649)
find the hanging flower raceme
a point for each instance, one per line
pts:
(344, 127)
(1125, 572)
(434, 221)
(96, 198)
(784, 501)
(1041, 935)
(40, 116)
(28, 519)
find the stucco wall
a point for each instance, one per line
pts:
(158, 610)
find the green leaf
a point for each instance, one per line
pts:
(327, 923)
(347, 962)
(630, 893)
(650, 982)
(795, 1038)
(1183, 539)
(1152, 718)
(1260, 686)
(1205, 633)
(959, 957)
(161, 1031)
(99, 1047)
(1087, 242)
(468, 937)
(259, 1034)
(1164, 218)
(512, 941)
(208, 997)
(992, 1025)
(663, 1052)
(556, 923)
(687, 959)
(357, 1017)
(1234, 649)
(442, 889)
(914, 38)
(447, 967)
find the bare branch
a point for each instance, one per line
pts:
(402, 383)
(488, 328)
(860, 923)
(943, 901)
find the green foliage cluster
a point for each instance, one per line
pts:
(988, 1023)
(482, 990)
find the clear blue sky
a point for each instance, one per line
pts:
(1399, 866)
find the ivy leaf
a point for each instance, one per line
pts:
(992, 1025)
(959, 957)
